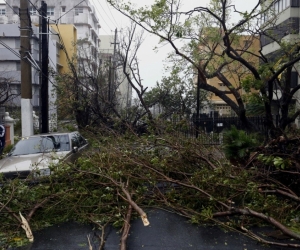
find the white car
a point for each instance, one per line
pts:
(35, 154)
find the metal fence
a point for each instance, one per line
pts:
(210, 130)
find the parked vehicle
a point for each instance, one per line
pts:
(34, 154)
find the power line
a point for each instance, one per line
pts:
(34, 6)
(110, 12)
(10, 49)
(32, 61)
(103, 20)
(52, 61)
(104, 12)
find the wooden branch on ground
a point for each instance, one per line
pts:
(249, 212)
(126, 228)
(271, 243)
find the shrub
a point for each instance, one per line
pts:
(238, 144)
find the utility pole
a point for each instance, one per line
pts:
(44, 53)
(26, 88)
(198, 106)
(112, 86)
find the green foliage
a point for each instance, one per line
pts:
(276, 161)
(255, 104)
(249, 83)
(238, 144)
(176, 94)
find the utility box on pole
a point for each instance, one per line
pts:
(26, 86)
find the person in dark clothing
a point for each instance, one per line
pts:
(2, 138)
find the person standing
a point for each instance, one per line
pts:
(2, 138)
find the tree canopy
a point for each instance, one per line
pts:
(217, 46)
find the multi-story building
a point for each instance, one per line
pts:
(282, 24)
(233, 72)
(69, 22)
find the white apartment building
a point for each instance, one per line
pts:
(79, 13)
(284, 21)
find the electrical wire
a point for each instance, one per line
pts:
(111, 13)
(38, 10)
(52, 62)
(104, 12)
(32, 62)
(103, 20)
(10, 49)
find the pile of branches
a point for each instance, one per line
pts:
(279, 159)
(124, 175)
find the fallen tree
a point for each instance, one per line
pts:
(123, 175)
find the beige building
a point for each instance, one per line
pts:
(68, 34)
(234, 72)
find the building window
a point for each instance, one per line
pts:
(2, 12)
(78, 10)
(17, 43)
(278, 7)
(63, 8)
(16, 10)
(50, 11)
(18, 66)
(294, 3)
(32, 11)
(247, 44)
(294, 79)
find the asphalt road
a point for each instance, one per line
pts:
(167, 231)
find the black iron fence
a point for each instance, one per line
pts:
(209, 130)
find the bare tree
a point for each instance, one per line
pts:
(7, 92)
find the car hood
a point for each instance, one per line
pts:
(30, 162)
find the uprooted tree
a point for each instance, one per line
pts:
(217, 46)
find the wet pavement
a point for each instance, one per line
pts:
(167, 231)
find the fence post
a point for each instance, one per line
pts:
(9, 127)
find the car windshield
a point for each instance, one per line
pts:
(41, 144)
